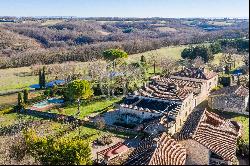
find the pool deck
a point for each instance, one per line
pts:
(45, 108)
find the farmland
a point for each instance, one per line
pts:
(100, 62)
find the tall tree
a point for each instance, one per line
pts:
(77, 90)
(43, 77)
(25, 95)
(20, 102)
(114, 54)
(40, 78)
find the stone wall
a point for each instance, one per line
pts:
(230, 103)
(186, 109)
(71, 119)
(197, 154)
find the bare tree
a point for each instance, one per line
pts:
(198, 62)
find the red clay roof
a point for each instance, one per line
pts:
(210, 130)
(229, 90)
(113, 150)
(162, 151)
(197, 73)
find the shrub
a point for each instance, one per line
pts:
(104, 140)
(217, 88)
(100, 123)
(47, 92)
(61, 151)
(242, 147)
(18, 149)
(20, 102)
(6, 111)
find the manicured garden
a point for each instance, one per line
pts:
(87, 108)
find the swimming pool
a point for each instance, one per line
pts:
(48, 102)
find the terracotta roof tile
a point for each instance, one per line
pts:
(215, 133)
(197, 73)
(160, 151)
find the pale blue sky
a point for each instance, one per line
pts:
(126, 8)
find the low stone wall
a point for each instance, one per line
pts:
(71, 119)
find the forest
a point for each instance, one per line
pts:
(30, 41)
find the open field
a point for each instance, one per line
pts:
(219, 56)
(12, 98)
(12, 78)
(51, 22)
(220, 23)
(170, 52)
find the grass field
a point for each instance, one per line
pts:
(51, 22)
(12, 99)
(11, 79)
(219, 57)
(170, 52)
(220, 23)
(245, 122)
(87, 109)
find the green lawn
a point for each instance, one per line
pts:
(245, 122)
(219, 56)
(11, 79)
(170, 52)
(87, 109)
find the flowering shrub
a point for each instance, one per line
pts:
(58, 151)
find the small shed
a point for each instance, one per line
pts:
(112, 152)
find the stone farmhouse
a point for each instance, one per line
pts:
(165, 104)
(209, 139)
(201, 80)
(161, 150)
(179, 134)
(230, 98)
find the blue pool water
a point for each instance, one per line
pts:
(47, 102)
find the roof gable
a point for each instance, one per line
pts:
(210, 130)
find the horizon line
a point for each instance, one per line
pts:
(221, 17)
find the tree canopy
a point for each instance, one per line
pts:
(113, 54)
(62, 151)
(197, 51)
(79, 89)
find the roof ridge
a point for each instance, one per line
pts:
(199, 122)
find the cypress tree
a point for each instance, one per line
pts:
(25, 95)
(20, 100)
(40, 78)
(43, 78)
(143, 59)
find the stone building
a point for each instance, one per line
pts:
(231, 99)
(161, 150)
(168, 104)
(201, 79)
(209, 139)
